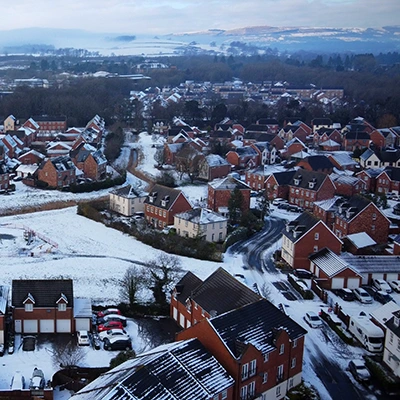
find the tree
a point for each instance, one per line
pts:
(122, 357)
(131, 284)
(164, 271)
(263, 205)
(188, 162)
(166, 179)
(235, 206)
(159, 156)
(67, 355)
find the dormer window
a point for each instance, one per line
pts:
(396, 321)
(28, 307)
(62, 307)
(312, 183)
(165, 201)
(29, 302)
(62, 302)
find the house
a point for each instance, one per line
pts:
(220, 191)
(57, 149)
(384, 158)
(51, 123)
(359, 243)
(162, 204)
(323, 134)
(258, 345)
(127, 200)
(391, 351)
(13, 145)
(306, 187)
(277, 184)
(348, 185)
(388, 181)
(304, 236)
(321, 123)
(368, 176)
(26, 171)
(43, 306)
(57, 172)
(243, 157)
(203, 223)
(193, 299)
(329, 145)
(331, 272)
(343, 161)
(271, 123)
(90, 161)
(212, 167)
(31, 157)
(292, 147)
(10, 123)
(316, 163)
(4, 294)
(180, 370)
(359, 214)
(356, 139)
(382, 138)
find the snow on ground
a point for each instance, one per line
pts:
(145, 144)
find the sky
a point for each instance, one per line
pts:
(157, 17)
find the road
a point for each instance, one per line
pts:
(254, 247)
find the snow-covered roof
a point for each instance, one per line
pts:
(327, 204)
(215, 160)
(361, 240)
(27, 169)
(372, 264)
(385, 312)
(330, 143)
(201, 216)
(82, 308)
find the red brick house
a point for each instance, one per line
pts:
(356, 140)
(90, 161)
(51, 123)
(13, 145)
(388, 181)
(258, 345)
(323, 134)
(368, 176)
(292, 147)
(4, 177)
(348, 185)
(316, 163)
(162, 204)
(271, 123)
(57, 172)
(290, 132)
(220, 191)
(31, 157)
(331, 272)
(306, 187)
(243, 157)
(384, 138)
(213, 166)
(43, 306)
(358, 214)
(255, 178)
(277, 184)
(304, 236)
(343, 161)
(193, 300)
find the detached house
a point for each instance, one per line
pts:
(213, 166)
(57, 172)
(90, 161)
(127, 200)
(304, 236)
(43, 306)
(258, 345)
(384, 138)
(388, 181)
(244, 157)
(277, 184)
(316, 163)
(162, 204)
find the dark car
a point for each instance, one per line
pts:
(383, 297)
(28, 343)
(117, 343)
(345, 294)
(302, 273)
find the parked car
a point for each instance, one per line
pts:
(17, 381)
(345, 294)
(117, 343)
(115, 317)
(283, 206)
(383, 297)
(113, 332)
(362, 296)
(395, 285)
(302, 273)
(313, 319)
(83, 338)
(108, 311)
(96, 341)
(28, 343)
(110, 325)
(359, 370)
(381, 284)
(278, 201)
(37, 379)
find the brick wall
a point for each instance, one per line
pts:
(220, 198)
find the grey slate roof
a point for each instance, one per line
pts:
(158, 193)
(392, 326)
(186, 286)
(319, 162)
(284, 178)
(371, 264)
(176, 371)
(257, 324)
(393, 173)
(129, 192)
(304, 177)
(302, 224)
(46, 292)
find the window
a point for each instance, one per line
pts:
(216, 397)
(291, 381)
(391, 337)
(373, 228)
(252, 388)
(373, 216)
(62, 307)
(278, 391)
(224, 394)
(281, 349)
(294, 343)
(28, 307)
(398, 344)
(266, 357)
(245, 371)
(279, 375)
(315, 249)
(265, 377)
(253, 367)
(243, 392)
(316, 236)
(293, 363)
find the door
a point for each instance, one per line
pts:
(353, 283)
(18, 326)
(337, 283)
(63, 326)
(30, 326)
(46, 326)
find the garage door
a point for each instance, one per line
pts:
(377, 276)
(175, 313)
(82, 324)
(353, 283)
(30, 326)
(63, 326)
(46, 326)
(182, 320)
(392, 277)
(337, 283)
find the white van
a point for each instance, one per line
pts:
(367, 333)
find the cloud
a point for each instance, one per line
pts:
(162, 16)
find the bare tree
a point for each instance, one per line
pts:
(67, 355)
(131, 285)
(159, 157)
(187, 161)
(164, 272)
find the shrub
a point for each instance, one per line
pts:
(122, 357)
(42, 185)
(387, 382)
(98, 185)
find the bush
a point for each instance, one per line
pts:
(236, 236)
(347, 339)
(41, 184)
(303, 392)
(122, 357)
(387, 382)
(98, 185)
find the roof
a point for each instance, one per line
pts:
(357, 135)
(201, 216)
(327, 205)
(62, 163)
(46, 292)
(163, 196)
(284, 178)
(393, 173)
(228, 183)
(348, 208)
(373, 264)
(82, 308)
(302, 178)
(392, 326)
(343, 159)
(385, 312)
(257, 324)
(129, 192)
(302, 224)
(176, 371)
(215, 160)
(319, 162)
(328, 262)
(186, 286)
(361, 240)
(321, 121)
(221, 292)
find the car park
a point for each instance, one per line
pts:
(359, 370)
(345, 294)
(362, 296)
(108, 311)
(115, 317)
(83, 338)
(395, 285)
(381, 284)
(313, 319)
(302, 273)
(113, 332)
(383, 297)
(110, 325)
(117, 343)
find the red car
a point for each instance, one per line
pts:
(110, 325)
(101, 314)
